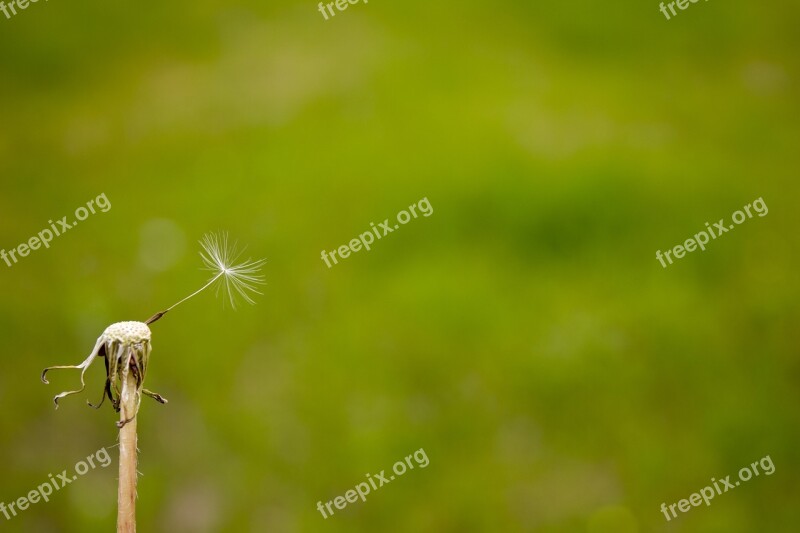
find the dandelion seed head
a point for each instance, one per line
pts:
(127, 333)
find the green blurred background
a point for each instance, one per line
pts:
(558, 378)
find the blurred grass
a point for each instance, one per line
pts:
(524, 335)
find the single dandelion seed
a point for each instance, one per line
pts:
(232, 279)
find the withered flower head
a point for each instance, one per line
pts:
(125, 346)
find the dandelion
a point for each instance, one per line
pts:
(126, 347)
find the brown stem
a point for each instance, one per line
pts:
(126, 497)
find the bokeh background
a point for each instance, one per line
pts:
(558, 378)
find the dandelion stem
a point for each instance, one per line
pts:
(126, 496)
